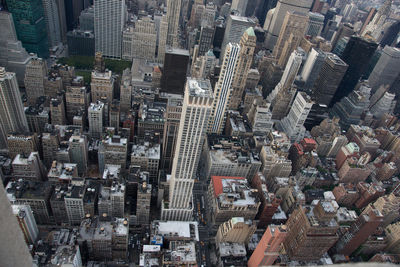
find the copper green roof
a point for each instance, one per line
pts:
(250, 31)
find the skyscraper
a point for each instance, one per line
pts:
(315, 24)
(276, 16)
(96, 119)
(53, 25)
(247, 45)
(328, 79)
(109, 20)
(174, 70)
(196, 109)
(35, 72)
(223, 88)
(30, 25)
(379, 19)
(386, 69)
(312, 67)
(173, 15)
(78, 152)
(12, 116)
(357, 54)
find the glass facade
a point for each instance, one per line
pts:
(30, 25)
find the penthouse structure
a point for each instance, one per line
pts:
(231, 197)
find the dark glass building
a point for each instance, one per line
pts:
(262, 9)
(174, 71)
(80, 43)
(30, 25)
(357, 54)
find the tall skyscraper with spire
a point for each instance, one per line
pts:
(223, 88)
(12, 116)
(196, 109)
(173, 14)
(247, 46)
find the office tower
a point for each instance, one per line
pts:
(196, 110)
(223, 89)
(147, 156)
(28, 167)
(388, 206)
(81, 43)
(140, 41)
(235, 27)
(376, 25)
(73, 9)
(247, 46)
(126, 91)
(390, 36)
(276, 16)
(35, 72)
(235, 230)
(53, 25)
(282, 94)
(22, 144)
(86, 19)
(50, 146)
(382, 104)
(311, 231)
(30, 25)
(13, 55)
(96, 119)
(315, 24)
(262, 8)
(26, 222)
(351, 107)
(358, 232)
(260, 118)
(14, 252)
(173, 15)
(57, 111)
(113, 151)
(143, 202)
(344, 30)
(78, 152)
(340, 46)
(174, 70)
(173, 117)
(386, 69)
(349, 12)
(208, 17)
(269, 247)
(293, 123)
(292, 31)
(162, 33)
(312, 67)
(109, 20)
(12, 116)
(357, 54)
(206, 39)
(196, 14)
(76, 100)
(74, 204)
(239, 6)
(328, 79)
(102, 86)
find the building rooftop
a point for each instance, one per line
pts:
(111, 171)
(22, 160)
(146, 150)
(96, 106)
(233, 190)
(22, 189)
(180, 253)
(232, 250)
(199, 87)
(63, 171)
(176, 229)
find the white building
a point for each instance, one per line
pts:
(109, 20)
(95, 115)
(223, 88)
(293, 123)
(12, 115)
(173, 14)
(196, 110)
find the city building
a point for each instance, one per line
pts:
(81, 43)
(12, 116)
(231, 254)
(76, 100)
(125, 103)
(57, 111)
(235, 27)
(173, 15)
(223, 89)
(35, 72)
(269, 247)
(22, 144)
(260, 118)
(28, 167)
(78, 152)
(315, 24)
(311, 231)
(174, 71)
(231, 197)
(143, 202)
(235, 230)
(102, 86)
(26, 222)
(113, 150)
(30, 25)
(109, 20)
(274, 164)
(388, 206)
(96, 119)
(196, 110)
(147, 156)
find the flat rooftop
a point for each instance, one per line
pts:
(199, 87)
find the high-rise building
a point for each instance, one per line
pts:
(173, 16)
(174, 71)
(312, 67)
(86, 19)
(276, 16)
(53, 21)
(162, 33)
(293, 123)
(236, 230)
(26, 222)
(28, 167)
(109, 20)
(78, 152)
(13, 55)
(358, 232)
(57, 111)
(357, 54)
(376, 25)
(328, 79)
(386, 70)
(206, 39)
(76, 100)
(247, 46)
(96, 119)
(239, 6)
(196, 110)
(35, 72)
(269, 247)
(143, 202)
(223, 88)
(293, 29)
(344, 30)
(12, 116)
(16, 252)
(113, 151)
(102, 86)
(235, 27)
(125, 103)
(315, 24)
(30, 25)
